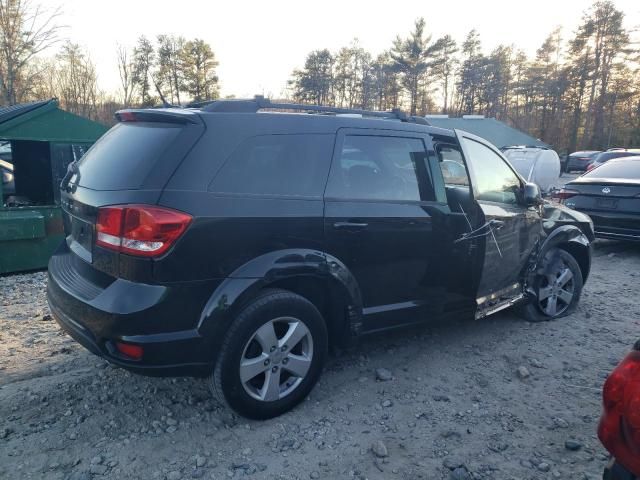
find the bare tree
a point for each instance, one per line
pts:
(126, 69)
(76, 81)
(170, 65)
(25, 30)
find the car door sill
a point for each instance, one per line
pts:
(481, 313)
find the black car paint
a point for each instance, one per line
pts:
(179, 305)
(619, 217)
(615, 471)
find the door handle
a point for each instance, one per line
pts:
(350, 225)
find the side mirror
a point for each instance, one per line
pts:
(532, 196)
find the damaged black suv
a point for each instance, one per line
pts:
(239, 240)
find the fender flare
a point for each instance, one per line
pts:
(246, 281)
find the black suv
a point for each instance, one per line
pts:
(236, 241)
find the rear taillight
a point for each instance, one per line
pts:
(591, 166)
(619, 429)
(141, 230)
(565, 193)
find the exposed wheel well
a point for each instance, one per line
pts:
(581, 254)
(325, 297)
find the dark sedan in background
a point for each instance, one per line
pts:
(604, 157)
(610, 195)
(579, 161)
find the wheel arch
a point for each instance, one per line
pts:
(573, 240)
(319, 277)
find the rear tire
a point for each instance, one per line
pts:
(272, 356)
(557, 286)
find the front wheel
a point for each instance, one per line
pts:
(557, 287)
(272, 355)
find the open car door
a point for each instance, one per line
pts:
(510, 228)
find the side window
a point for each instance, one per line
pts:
(452, 165)
(496, 182)
(380, 168)
(282, 165)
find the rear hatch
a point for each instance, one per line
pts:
(130, 164)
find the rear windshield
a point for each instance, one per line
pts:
(125, 155)
(584, 154)
(605, 156)
(628, 169)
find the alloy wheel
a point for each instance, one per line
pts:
(556, 289)
(276, 359)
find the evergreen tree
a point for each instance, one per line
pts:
(443, 64)
(199, 63)
(314, 83)
(143, 60)
(410, 57)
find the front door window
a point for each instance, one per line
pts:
(495, 180)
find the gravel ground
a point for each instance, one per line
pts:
(494, 399)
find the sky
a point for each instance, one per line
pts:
(259, 43)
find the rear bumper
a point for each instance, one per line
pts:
(614, 225)
(104, 348)
(161, 319)
(615, 471)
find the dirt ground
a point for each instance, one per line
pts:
(494, 399)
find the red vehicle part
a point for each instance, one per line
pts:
(619, 429)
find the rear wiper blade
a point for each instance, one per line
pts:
(65, 184)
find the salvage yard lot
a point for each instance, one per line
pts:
(495, 399)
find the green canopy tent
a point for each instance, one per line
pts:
(43, 141)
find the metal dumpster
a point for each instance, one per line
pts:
(38, 140)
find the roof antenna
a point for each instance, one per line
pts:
(165, 104)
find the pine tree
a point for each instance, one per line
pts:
(199, 63)
(314, 83)
(143, 60)
(410, 56)
(443, 64)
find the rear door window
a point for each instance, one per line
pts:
(380, 168)
(277, 165)
(124, 157)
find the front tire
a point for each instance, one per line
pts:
(557, 285)
(272, 355)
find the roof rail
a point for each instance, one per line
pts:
(261, 103)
